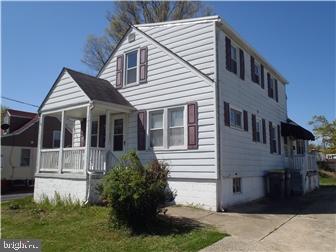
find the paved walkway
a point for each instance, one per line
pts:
(298, 224)
(7, 197)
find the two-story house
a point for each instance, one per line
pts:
(192, 93)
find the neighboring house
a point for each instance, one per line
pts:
(192, 93)
(19, 143)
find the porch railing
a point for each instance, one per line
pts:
(73, 160)
(303, 162)
(49, 160)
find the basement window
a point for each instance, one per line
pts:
(236, 185)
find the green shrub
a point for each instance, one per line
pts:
(135, 193)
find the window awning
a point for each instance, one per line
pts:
(292, 129)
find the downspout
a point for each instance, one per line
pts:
(217, 128)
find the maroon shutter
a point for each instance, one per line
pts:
(262, 82)
(143, 64)
(276, 90)
(264, 130)
(119, 71)
(271, 136)
(192, 126)
(279, 140)
(254, 128)
(228, 53)
(252, 69)
(269, 85)
(245, 120)
(241, 64)
(141, 130)
(227, 114)
(102, 131)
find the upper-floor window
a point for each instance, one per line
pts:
(131, 67)
(272, 87)
(235, 118)
(234, 59)
(257, 72)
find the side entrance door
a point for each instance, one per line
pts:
(118, 135)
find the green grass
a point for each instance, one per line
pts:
(75, 228)
(327, 181)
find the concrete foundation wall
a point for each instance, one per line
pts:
(195, 192)
(46, 187)
(251, 188)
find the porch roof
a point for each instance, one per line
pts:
(97, 89)
(290, 128)
(84, 88)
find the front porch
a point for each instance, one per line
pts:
(84, 141)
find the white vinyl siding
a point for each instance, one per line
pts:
(66, 92)
(170, 84)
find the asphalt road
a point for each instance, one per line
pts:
(13, 196)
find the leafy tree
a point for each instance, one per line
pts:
(325, 131)
(98, 49)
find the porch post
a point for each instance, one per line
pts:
(60, 155)
(87, 139)
(39, 143)
(107, 139)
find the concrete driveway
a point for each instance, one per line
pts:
(298, 224)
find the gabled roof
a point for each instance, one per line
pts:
(97, 89)
(24, 127)
(20, 113)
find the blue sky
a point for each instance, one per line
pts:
(297, 38)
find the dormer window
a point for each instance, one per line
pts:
(131, 67)
(233, 59)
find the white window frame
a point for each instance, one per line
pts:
(54, 137)
(29, 161)
(137, 50)
(112, 120)
(150, 129)
(236, 188)
(241, 118)
(165, 145)
(272, 86)
(235, 48)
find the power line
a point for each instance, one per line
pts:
(22, 102)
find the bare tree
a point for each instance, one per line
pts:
(98, 49)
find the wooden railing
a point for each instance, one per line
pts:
(97, 160)
(49, 160)
(303, 162)
(73, 159)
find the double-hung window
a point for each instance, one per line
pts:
(234, 59)
(131, 67)
(257, 72)
(258, 130)
(235, 118)
(272, 87)
(156, 128)
(176, 127)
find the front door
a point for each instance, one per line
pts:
(118, 136)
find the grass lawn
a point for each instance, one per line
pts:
(327, 178)
(75, 228)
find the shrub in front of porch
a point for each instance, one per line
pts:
(136, 193)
